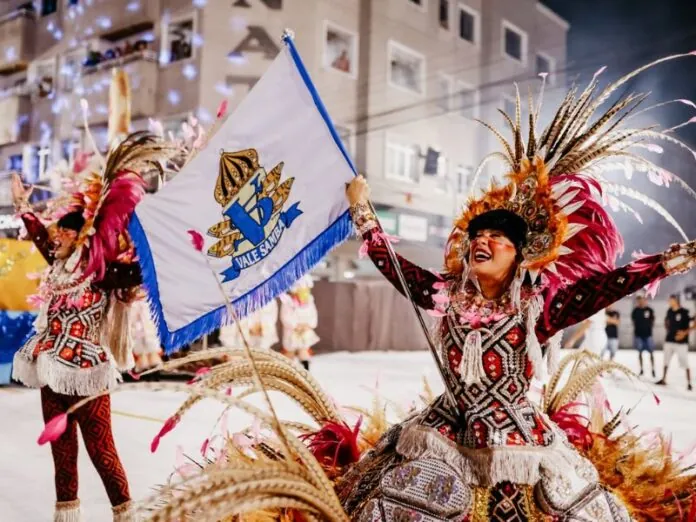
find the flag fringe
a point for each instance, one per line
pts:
(254, 299)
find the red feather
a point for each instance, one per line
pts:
(123, 194)
(575, 426)
(335, 444)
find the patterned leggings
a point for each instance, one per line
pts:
(94, 419)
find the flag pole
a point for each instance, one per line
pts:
(402, 280)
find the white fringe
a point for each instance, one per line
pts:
(488, 466)
(68, 512)
(471, 366)
(125, 513)
(534, 309)
(553, 352)
(46, 371)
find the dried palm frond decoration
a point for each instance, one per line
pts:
(643, 472)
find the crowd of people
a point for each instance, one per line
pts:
(600, 335)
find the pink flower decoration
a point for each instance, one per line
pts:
(54, 429)
(196, 239)
(169, 425)
(362, 252)
(222, 109)
(440, 298)
(440, 285)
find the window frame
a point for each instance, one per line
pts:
(41, 9)
(463, 171)
(165, 42)
(395, 142)
(513, 100)
(392, 46)
(350, 142)
(79, 54)
(550, 78)
(448, 23)
(33, 78)
(450, 92)
(476, 112)
(476, 15)
(353, 73)
(524, 42)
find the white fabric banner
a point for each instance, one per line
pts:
(268, 196)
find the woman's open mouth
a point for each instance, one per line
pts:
(480, 256)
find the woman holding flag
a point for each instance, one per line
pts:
(524, 262)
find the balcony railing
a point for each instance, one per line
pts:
(142, 68)
(120, 61)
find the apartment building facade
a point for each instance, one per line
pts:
(402, 80)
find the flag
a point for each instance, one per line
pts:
(267, 194)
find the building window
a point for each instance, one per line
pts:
(14, 163)
(68, 149)
(545, 64)
(514, 42)
(39, 163)
(510, 106)
(443, 95)
(48, 7)
(43, 76)
(340, 49)
(177, 39)
(406, 68)
(401, 162)
(347, 136)
(70, 69)
(468, 23)
(419, 3)
(464, 178)
(444, 14)
(467, 100)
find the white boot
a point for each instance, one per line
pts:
(68, 512)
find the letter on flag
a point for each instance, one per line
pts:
(267, 194)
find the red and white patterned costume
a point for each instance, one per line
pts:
(66, 352)
(483, 450)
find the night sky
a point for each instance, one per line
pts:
(624, 34)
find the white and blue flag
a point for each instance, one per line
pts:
(267, 194)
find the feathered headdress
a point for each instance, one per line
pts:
(556, 182)
(107, 199)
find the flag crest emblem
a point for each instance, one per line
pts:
(253, 209)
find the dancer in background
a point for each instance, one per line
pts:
(593, 332)
(146, 345)
(612, 331)
(263, 327)
(678, 325)
(298, 315)
(643, 318)
(82, 338)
